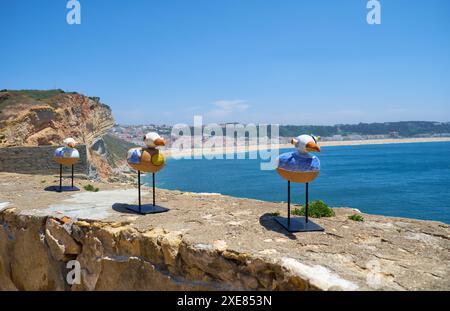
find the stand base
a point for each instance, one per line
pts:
(62, 189)
(146, 209)
(298, 224)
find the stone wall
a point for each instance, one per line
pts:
(38, 160)
(34, 252)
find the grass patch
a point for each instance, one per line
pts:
(316, 209)
(40, 94)
(31, 97)
(117, 149)
(91, 188)
(298, 212)
(356, 217)
(274, 214)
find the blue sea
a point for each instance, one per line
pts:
(406, 180)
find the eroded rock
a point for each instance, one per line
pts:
(62, 245)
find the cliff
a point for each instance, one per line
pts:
(34, 118)
(204, 241)
(30, 118)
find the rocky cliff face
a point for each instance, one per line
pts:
(36, 118)
(33, 118)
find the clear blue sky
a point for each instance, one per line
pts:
(281, 61)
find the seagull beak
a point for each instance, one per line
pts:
(312, 147)
(159, 142)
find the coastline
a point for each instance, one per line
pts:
(197, 152)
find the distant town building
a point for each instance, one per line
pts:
(394, 134)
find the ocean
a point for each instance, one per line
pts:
(405, 180)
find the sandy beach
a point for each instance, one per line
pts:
(256, 148)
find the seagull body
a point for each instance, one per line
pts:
(149, 158)
(67, 155)
(300, 165)
(296, 161)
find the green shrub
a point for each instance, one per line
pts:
(356, 217)
(316, 209)
(40, 94)
(116, 148)
(90, 188)
(274, 214)
(298, 212)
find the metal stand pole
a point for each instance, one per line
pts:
(298, 224)
(307, 201)
(60, 178)
(289, 203)
(153, 189)
(72, 175)
(139, 190)
(144, 209)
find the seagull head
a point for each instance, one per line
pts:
(306, 143)
(153, 140)
(70, 142)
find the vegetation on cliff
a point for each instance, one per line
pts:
(316, 209)
(403, 129)
(356, 217)
(117, 149)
